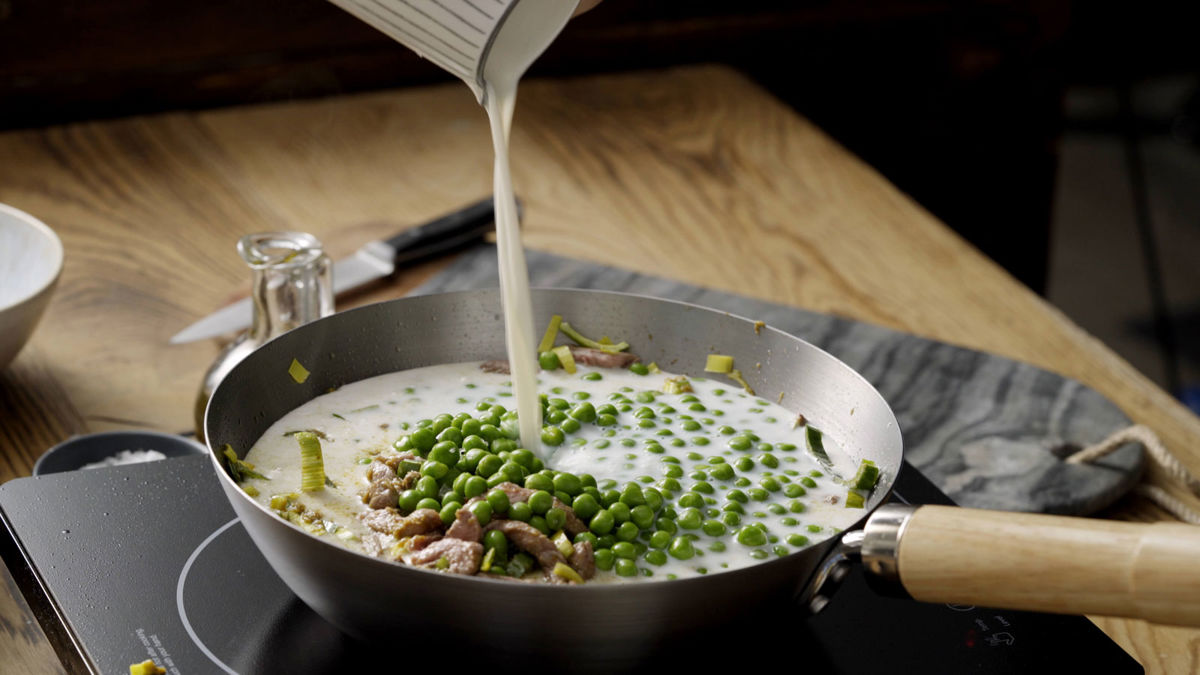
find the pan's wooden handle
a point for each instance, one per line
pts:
(1052, 564)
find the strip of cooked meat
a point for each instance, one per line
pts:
(389, 521)
(583, 560)
(465, 526)
(602, 359)
(462, 557)
(393, 461)
(529, 539)
(497, 366)
(584, 355)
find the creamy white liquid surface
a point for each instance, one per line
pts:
(363, 419)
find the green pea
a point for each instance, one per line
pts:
(470, 427)
(758, 494)
(489, 430)
(620, 512)
(627, 531)
(593, 376)
(813, 528)
(556, 518)
(495, 539)
(512, 472)
(450, 435)
(639, 368)
(644, 397)
(796, 506)
(540, 501)
(552, 435)
(681, 548)
(584, 412)
(624, 549)
(660, 539)
(738, 443)
(537, 481)
(408, 500)
(632, 495)
(691, 500)
(500, 445)
(498, 500)
(604, 559)
(452, 496)
(605, 420)
(769, 483)
(700, 440)
(570, 425)
(722, 472)
(713, 528)
(473, 486)
(673, 471)
(725, 430)
(655, 557)
(429, 503)
(423, 440)
(444, 453)
(520, 511)
(427, 486)
(588, 537)
(751, 536)
(702, 487)
(548, 360)
(797, 539)
(654, 498)
(606, 541)
(488, 466)
(777, 509)
(737, 496)
(642, 516)
(733, 507)
(448, 511)
(667, 525)
(475, 443)
(808, 482)
(626, 568)
(767, 459)
(690, 425)
(482, 511)
(609, 497)
(731, 519)
(602, 523)
(585, 506)
(744, 464)
(789, 521)
(794, 490)
(690, 519)
(742, 482)
(539, 523)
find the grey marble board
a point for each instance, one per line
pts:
(987, 430)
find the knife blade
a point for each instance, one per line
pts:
(375, 260)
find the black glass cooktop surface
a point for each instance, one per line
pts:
(149, 561)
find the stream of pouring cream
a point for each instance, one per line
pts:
(514, 275)
(526, 31)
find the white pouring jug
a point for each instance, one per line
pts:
(480, 41)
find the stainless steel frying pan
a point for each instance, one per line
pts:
(938, 554)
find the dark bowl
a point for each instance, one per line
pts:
(77, 451)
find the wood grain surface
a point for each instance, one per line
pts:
(694, 174)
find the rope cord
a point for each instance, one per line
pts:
(1158, 452)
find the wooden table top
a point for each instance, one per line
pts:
(694, 174)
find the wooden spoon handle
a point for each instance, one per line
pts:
(1052, 564)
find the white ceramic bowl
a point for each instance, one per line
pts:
(31, 258)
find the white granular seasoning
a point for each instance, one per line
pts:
(127, 457)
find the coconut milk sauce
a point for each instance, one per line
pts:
(364, 418)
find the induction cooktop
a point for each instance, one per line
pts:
(144, 561)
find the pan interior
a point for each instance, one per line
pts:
(468, 326)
